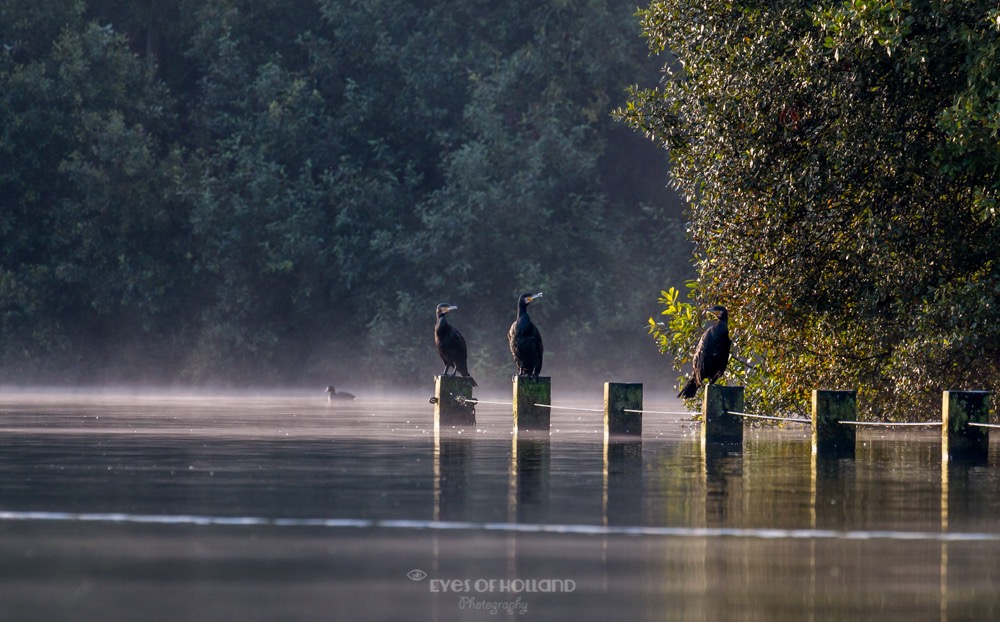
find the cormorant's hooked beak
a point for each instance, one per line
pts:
(445, 308)
(716, 310)
(530, 299)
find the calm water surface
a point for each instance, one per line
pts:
(281, 507)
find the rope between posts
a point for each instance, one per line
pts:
(592, 410)
(792, 419)
(890, 423)
(984, 425)
(661, 412)
(476, 401)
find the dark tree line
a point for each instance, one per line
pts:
(281, 192)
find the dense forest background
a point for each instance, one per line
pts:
(279, 192)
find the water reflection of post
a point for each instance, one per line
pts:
(622, 499)
(529, 477)
(963, 447)
(723, 488)
(956, 491)
(831, 484)
(830, 490)
(452, 470)
(944, 529)
(452, 455)
(528, 498)
(722, 469)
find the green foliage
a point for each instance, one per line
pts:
(841, 161)
(283, 191)
(679, 336)
(86, 236)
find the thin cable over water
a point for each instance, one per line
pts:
(891, 424)
(792, 419)
(550, 406)
(662, 412)
(983, 425)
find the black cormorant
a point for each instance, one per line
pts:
(525, 340)
(711, 355)
(333, 394)
(451, 344)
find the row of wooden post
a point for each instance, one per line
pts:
(832, 437)
(623, 401)
(454, 405)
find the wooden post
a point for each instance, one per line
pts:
(959, 440)
(829, 436)
(527, 393)
(447, 409)
(717, 425)
(617, 397)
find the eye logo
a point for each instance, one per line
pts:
(416, 575)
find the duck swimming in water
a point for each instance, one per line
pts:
(333, 394)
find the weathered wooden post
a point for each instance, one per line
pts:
(829, 436)
(717, 424)
(450, 401)
(528, 392)
(619, 396)
(959, 440)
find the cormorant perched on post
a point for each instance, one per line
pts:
(525, 340)
(333, 394)
(711, 355)
(451, 344)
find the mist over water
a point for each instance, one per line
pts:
(128, 504)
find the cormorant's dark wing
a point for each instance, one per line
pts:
(526, 347)
(461, 352)
(715, 357)
(452, 346)
(537, 339)
(701, 356)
